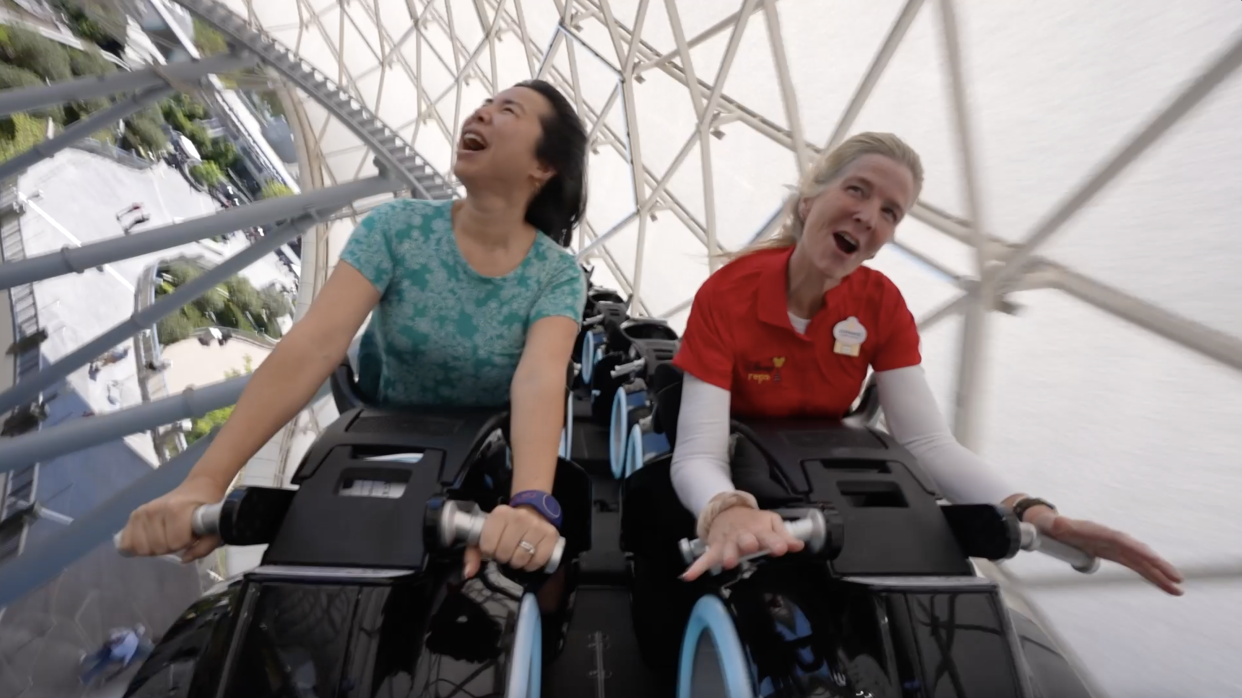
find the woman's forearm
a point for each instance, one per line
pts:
(280, 388)
(916, 422)
(537, 415)
(700, 467)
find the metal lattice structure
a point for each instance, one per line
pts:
(701, 113)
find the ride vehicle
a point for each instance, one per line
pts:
(360, 591)
(884, 601)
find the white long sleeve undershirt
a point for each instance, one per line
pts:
(700, 468)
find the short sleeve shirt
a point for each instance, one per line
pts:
(443, 334)
(739, 338)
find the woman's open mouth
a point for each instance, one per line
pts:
(845, 242)
(472, 142)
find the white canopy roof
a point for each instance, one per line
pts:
(1015, 106)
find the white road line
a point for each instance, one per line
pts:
(107, 267)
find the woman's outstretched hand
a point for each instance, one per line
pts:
(162, 526)
(519, 537)
(739, 531)
(1103, 542)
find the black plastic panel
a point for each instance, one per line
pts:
(893, 525)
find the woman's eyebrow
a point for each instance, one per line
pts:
(507, 101)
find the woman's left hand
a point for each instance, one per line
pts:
(1103, 542)
(520, 538)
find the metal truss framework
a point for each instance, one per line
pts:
(444, 52)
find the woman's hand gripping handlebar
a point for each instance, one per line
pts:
(205, 521)
(1033, 541)
(811, 529)
(462, 523)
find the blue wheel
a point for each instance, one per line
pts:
(634, 450)
(526, 664)
(713, 662)
(567, 433)
(618, 430)
(588, 358)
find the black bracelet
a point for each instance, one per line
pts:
(1022, 505)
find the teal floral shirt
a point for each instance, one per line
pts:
(443, 334)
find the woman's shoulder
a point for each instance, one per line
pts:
(554, 261)
(874, 283)
(742, 274)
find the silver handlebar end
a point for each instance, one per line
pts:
(1034, 542)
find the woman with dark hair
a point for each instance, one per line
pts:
(473, 302)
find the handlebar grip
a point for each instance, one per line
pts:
(205, 521)
(631, 367)
(1034, 542)
(462, 522)
(811, 529)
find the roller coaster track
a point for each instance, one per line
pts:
(389, 148)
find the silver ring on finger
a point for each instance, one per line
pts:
(527, 546)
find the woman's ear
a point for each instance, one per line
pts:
(804, 209)
(542, 174)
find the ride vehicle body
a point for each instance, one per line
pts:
(884, 601)
(360, 591)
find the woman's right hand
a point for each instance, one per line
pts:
(739, 531)
(162, 526)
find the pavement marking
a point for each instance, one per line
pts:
(107, 267)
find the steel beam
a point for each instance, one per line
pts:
(1213, 344)
(970, 366)
(25, 99)
(79, 130)
(80, 434)
(28, 389)
(1195, 92)
(80, 259)
(37, 567)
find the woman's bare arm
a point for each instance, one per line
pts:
(291, 375)
(537, 402)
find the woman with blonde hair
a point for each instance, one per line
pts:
(789, 328)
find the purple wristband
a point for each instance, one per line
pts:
(541, 502)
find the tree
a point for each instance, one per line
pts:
(274, 302)
(18, 134)
(216, 418)
(208, 41)
(12, 76)
(211, 302)
(42, 56)
(243, 294)
(90, 62)
(174, 328)
(223, 153)
(143, 132)
(181, 272)
(274, 188)
(207, 173)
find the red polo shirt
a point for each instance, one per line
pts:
(739, 338)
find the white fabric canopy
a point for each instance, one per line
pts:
(1104, 417)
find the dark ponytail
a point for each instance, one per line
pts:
(561, 203)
